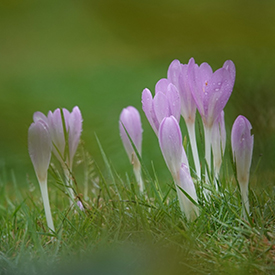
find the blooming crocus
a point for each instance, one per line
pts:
(166, 102)
(130, 120)
(170, 140)
(242, 147)
(218, 142)
(211, 91)
(178, 75)
(40, 147)
(73, 129)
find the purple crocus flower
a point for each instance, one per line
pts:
(40, 147)
(73, 126)
(178, 75)
(165, 103)
(218, 142)
(170, 140)
(242, 147)
(130, 120)
(211, 91)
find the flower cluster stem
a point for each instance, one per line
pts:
(45, 198)
(192, 136)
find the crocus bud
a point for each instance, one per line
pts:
(218, 142)
(170, 140)
(242, 147)
(74, 122)
(40, 146)
(165, 103)
(73, 129)
(130, 120)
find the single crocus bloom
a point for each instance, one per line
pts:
(242, 147)
(40, 147)
(166, 102)
(211, 91)
(73, 128)
(178, 75)
(170, 140)
(130, 120)
(218, 142)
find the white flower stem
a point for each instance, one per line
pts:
(245, 200)
(137, 172)
(192, 136)
(45, 198)
(207, 139)
(69, 183)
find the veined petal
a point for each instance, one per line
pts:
(74, 121)
(170, 140)
(242, 147)
(147, 107)
(130, 119)
(161, 106)
(40, 146)
(40, 116)
(173, 98)
(57, 134)
(219, 90)
(161, 86)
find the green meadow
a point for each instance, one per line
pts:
(99, 56)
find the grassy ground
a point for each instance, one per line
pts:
(100, 56)
(124, 232)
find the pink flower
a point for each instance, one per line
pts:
(165, 103)
(170, 140)
(130, 120)
(242, 147)
(40, 147)
(178, 75)
(73, 126)
(211, 90)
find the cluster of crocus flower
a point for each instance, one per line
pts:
(187, 88)
(59, 132)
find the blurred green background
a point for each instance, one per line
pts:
(100, 55)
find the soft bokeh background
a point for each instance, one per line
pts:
(100, 55)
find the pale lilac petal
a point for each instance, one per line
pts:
(242, 147)
(219, 90)
(57, 134)
(161, 106)
(162, 86)
(196, 85)
(40, 146)
(130, 119)
(174, 72)
(74, 121)
(40, 116)
(170, 140)
(173, 98)
(147, 107)
(230, 66)
(211, 91)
